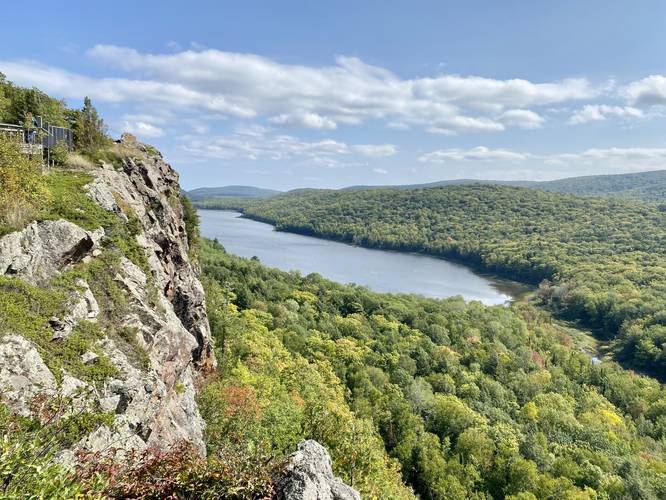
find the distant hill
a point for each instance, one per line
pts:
(450, 182)
(643, 186)
(212, 193)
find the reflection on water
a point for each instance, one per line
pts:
(380, 270)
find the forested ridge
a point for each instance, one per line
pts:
(598, 261)
(642, 186)
(468, 401)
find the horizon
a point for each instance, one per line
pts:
(418, 183)
(398, 94)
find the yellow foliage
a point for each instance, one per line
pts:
(303, 296)
(531, 412)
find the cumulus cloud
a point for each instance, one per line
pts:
(376, 150)
(523, 118)
(261, 143)
(649, 91)
(593, 159)
(479, 153)
(304, 119)
(71, 85)
(142, 129)
(320, 97)
(599, 112)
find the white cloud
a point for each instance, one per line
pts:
(197, 46)
(380, 171)
(261, 143)
(649, 91)
(598, 112)
(656, 156)
(173, 45)
(479, 153)
(593, 160)
(200, 129)
(523, 118)
(304, 119)
(142, 129)
(322, 97)
(376, 150)
(62, 83)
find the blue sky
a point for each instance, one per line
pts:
(329, 94)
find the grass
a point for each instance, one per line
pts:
(70, 201)
(127, 339)
(26, 309)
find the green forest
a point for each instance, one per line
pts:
(467, 401)
(600, 262)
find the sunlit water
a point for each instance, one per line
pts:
(380, 270)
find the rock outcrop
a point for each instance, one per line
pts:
(308, 475)
(38, 252)
(154, 404)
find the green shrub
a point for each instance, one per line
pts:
(191, 218)
(59, 154)
(22, 186)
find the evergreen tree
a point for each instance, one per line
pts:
(89, 129)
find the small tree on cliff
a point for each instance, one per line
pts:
(89, 129)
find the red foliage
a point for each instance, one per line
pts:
(537, 359)
(241, 401)
(151, 473)
(178, 473)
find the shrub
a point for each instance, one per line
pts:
(22, 187)
(175, 473)
(28, 468)
(191, 218)
(59, 154)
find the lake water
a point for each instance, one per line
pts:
(379, 270)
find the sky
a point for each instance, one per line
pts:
(330, 94)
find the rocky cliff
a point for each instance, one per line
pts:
(131, 283)
(103, 321)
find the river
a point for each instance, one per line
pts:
(379, 270)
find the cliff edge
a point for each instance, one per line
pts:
(114, 319)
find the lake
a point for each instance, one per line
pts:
(379, 270)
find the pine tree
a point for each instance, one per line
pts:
(89, 129)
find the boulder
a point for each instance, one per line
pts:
(308, 476)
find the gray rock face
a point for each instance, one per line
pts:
(83, 306)
(309, 476)
(23, 374)
(41, 250)
(149, 187)
(153, 402)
